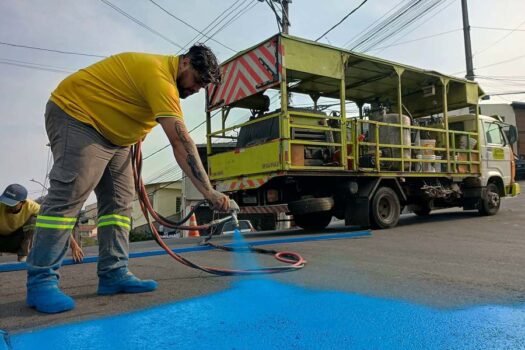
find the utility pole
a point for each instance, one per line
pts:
(468, 45)
(285, 17)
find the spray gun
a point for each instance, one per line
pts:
(233, 211)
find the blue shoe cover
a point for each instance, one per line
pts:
(127, 284)
(49, 299)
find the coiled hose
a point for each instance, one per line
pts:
(294, 260)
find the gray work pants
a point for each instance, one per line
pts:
(83, 161)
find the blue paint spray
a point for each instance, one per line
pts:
(268, 315)
(243, 259)
(264, 314)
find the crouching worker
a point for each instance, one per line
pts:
(17, 221)
(92, 119)
(17, 224)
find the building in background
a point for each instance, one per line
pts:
(165, 198)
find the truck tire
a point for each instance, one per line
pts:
(385, 208)
(490, 201)
(313, 221)
(311, 205)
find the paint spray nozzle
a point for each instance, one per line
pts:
(234, 210)
(234, 207)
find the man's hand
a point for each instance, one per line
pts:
(77, 253)
(218, 201)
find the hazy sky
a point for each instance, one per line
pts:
(93, 27)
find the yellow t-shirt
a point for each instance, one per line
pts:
(9, 223)
(121, 96)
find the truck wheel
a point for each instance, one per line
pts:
(311, 205)
(385, 208)
(313, 221)
(490, 202)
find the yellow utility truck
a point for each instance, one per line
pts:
(318, 132)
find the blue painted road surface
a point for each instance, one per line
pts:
(264, 314)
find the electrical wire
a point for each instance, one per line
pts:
(352, 40)
(499, 40)
(51, 50)
(189, 25)
(394, 25)
(395, 42)
(246, 9)
(422, 10)
(138, 22)
(417, 39)
(342, 20)
(205, 29)
(367, 36)
(36, 66)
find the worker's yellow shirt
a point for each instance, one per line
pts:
(9, 223)
(121, 96)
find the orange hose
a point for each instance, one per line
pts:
(294, 259)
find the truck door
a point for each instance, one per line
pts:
(496, 151)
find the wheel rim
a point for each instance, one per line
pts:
(493, 200)
(384, 209)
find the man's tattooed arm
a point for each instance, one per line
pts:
(193, 159)
(188, 158)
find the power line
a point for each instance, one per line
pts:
(416, 27)
(189, 132)
(143, 25)
(276, 13)
(196, 37)
(347, 44)
(189, 25)
(499, 40)
(403, 15)
(502, 62)
(504, 29)
(51, 50)
(36, 66)
(342, 20)
(418, 39)
(234, 18)
(367, 35)
(376, 31)
(403, 21)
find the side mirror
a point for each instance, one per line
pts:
(512, 134)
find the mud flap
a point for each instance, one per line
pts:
(357, 212)
(471, 197)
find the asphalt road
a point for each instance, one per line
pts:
(449, 259)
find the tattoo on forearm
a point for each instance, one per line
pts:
(193, 162)
(194, 166)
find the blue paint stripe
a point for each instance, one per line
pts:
(4, 340)
(93, 259)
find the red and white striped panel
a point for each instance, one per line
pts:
(248, 74)
(242, 183)
(268, 209)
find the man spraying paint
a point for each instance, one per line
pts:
(92, 119)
